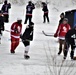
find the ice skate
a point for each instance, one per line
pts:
(64, 57)
(26, 56)
(12, 52)
(59, 52)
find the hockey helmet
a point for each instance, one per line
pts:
(30, 2)
(5, 2)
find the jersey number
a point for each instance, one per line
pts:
(64, 29)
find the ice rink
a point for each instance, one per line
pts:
(43, 51)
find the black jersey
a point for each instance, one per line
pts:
(5, 8)
(70, 36)
(29, 9)
(28, 34)
(45, 8)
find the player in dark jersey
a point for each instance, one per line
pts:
(5, 9)
(26, 38)
(70, 40)
(45, 10)
(29, 10)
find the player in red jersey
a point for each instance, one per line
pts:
(61, 32)
(16, 29)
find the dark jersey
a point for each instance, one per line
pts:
(45, 9)
(28, 34)
(5, 8)
(71, 36)
(29, 9)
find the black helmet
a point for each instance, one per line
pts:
(43, 2)
(30, 2)
(5, 2)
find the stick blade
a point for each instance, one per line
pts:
(44, 33)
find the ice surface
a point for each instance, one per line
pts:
(43, 50)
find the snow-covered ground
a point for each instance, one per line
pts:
(43, 51)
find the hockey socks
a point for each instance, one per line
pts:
(26, 56)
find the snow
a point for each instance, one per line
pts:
(43, 51)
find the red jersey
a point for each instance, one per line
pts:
(62, 30)
(16, 30)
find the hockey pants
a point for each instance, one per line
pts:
(14, 43)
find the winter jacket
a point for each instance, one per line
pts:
(45, 9)
(29, 9)
(16, 30)
(62, 30)
(1, 23)
(5, 8)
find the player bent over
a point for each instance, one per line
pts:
(26, 38)
(70, 40)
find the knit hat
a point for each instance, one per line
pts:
(65, 19)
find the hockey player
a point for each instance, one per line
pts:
(45, 9)
(29, 10)
(26, 38)
(15, 34)
(1, 24)
(5, 9)
(61, 18)
(61, 32)
(70, 39)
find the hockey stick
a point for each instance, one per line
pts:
(7, 30)
(47, 34)
(18, 41)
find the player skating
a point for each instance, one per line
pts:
(5, 9)
(45, 10)
(16, 29)
(26, 38)
(1, 24)
(61, 32)
(29, 10)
